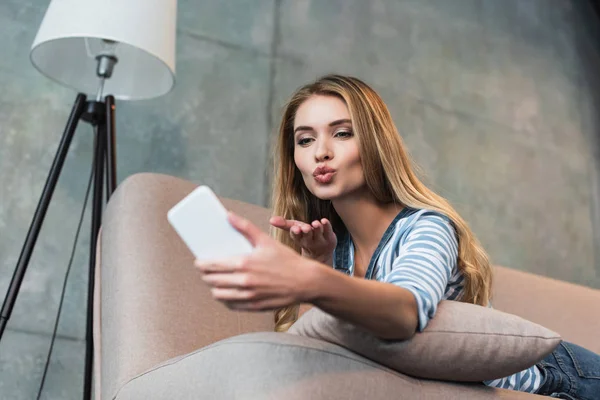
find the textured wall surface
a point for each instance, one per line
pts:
(496, 100)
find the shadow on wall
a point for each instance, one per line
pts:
(589, 51)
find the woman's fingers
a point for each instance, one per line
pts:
(298, 233)
(302, 232)
(289, 225)
(280, 222)
(318, 228)
(295, 227)
(327, 229)
(307, 234)
(295, 232)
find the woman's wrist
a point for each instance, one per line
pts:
(327, 260)
(311, 284)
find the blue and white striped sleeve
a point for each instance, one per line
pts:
(426, 259)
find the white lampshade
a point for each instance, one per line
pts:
(71, 34)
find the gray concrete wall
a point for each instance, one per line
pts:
(496, 99)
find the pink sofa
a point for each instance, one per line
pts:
(160, 335)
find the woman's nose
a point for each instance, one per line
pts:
(323, 152)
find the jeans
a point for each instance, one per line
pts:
(570, 372)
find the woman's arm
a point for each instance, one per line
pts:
(274, 276)
(386, 310)
(410, 293)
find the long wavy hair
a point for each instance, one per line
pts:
(389, 174)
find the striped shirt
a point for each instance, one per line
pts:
(419, 252)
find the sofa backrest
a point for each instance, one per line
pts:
(571, 310)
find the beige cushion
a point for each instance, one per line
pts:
(463, 342)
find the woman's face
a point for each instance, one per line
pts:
(323, 137)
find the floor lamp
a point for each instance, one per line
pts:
(112, 49)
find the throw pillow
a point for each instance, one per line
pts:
(463, 342)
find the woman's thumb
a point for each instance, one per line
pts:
(327, 228)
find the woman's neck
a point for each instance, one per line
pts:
(366, 220)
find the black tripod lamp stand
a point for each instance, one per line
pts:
(115, 49)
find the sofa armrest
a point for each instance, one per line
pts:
(153, 304)
(269, 365)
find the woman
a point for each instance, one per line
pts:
(359, 236)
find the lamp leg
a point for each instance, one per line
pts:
(104, 161)
(40, 212)
(111, 147)
(100, 152)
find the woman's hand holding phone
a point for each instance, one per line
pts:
(317, 239)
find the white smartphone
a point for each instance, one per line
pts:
(200, 219)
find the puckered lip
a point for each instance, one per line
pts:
(322, 170)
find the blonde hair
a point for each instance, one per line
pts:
(388, 173)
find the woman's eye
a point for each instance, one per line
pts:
(303, 141)
(344, 133)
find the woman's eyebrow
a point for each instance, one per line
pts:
(339, 122)
(333, 123)
(302, 128)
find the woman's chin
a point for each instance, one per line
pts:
(325, 193)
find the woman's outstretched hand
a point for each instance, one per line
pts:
(317, 239)
(270, 277)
